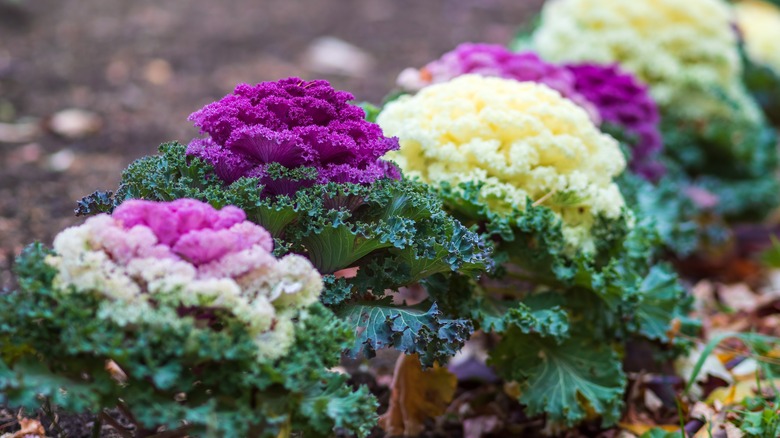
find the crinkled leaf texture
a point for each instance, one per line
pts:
(420, 329)
(563, 380)
(682, 226)
(65, 344)
(730, 158)
(564, 317)
(395, 232)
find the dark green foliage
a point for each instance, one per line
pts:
(764, 84)
(682, 226)
(564, 315)
(98, 202)
(734, 159)
(395, 232)
(563, 379)
(420, 329)
(56, 346)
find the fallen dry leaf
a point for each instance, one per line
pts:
(19, 132)
(347, 272)
(640, 429)
(738, 297)
(116, 372)
(711, 367)
(417, 394)
(29, 429)
(740, 391)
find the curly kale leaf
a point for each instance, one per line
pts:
(372, 111)
(396, 224)
(97, 202)
(513, 316)
(564, 380)
(421, 329)
(673, 214)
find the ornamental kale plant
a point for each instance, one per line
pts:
(291, 134)
(714, 132)
(614, 99)
(303, 164)
(178, 315)
(578, 279)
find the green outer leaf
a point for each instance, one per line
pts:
(502, 316)
(662, 300)
(338, 247)
(563, 380)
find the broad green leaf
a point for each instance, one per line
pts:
(564, 381)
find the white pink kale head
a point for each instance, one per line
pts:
(183, 255)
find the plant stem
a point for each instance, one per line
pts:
(50, 413)
(115, 424)
(96, 427)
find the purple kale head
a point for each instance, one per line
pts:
(496, 60)
(291, 134)
(625, 103)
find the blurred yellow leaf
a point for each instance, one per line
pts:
(738, 392)
(640, 429)
(417, 394)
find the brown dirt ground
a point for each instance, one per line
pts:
(113, 57)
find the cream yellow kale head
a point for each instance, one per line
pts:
(686, 50)
(759, 23)
(521, 139)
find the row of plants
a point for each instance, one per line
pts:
(536, 194)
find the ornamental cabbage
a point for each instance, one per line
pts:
(685, 50)
(495, 60)
(530, 170)
(759, 23)
(270, 129)
(177, 312)
(186, 254)
(610, 96)
(520, 140)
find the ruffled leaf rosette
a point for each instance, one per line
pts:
(304, 163)
(716, 136)
(620, 105)
(179, 315)
(614, 99)
(530, 169)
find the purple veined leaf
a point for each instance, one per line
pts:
(623, 101)
(228, 165)
(267, 146)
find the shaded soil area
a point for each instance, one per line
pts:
(142, 66)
